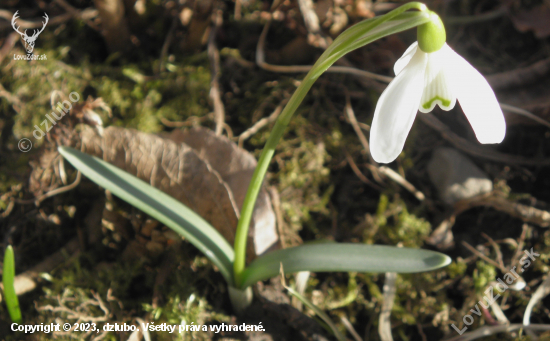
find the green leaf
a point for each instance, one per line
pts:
(8, 278)
(158, 205)
(343, 258)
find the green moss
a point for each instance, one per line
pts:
(483, 274)
(33, 83)
(397, 225)
(192, 311)
(456, 269)
(303, 175)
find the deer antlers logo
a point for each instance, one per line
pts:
(29, 41)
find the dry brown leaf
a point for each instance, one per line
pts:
(174, 168)
(236, 166)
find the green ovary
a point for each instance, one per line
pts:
(445, 102)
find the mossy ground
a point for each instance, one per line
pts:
(321, 198)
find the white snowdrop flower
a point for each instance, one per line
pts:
(431, 73)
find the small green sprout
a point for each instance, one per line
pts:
(8, 278)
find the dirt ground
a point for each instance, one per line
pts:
(85, 256)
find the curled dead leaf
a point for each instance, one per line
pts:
(235, 166)
(209, 174)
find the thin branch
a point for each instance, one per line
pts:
(360, 175)
(262, 123)
(166, 45)
(384, 325)
(542, 291)
(482, 256)
(260, 60)
(214, 57)
(490, 330)
(476, 149)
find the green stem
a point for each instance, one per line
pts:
(348, 41)
(259, 174)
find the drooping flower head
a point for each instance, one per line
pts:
(430, 73)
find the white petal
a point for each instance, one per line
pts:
(396, 110)
(477, 99)
(405, 58)
(437, 88)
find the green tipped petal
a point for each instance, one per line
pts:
(431, 36)
(444, 102)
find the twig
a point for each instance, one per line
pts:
(312, 24)
(214, 57)
(490, 330)
(542, 291)
(8, 210)
(521, 76)
(523, 112)
(482, 256)
(360, 175)
(476, 149)
(520, 281)
(390, 173)
(519, 249)
(276, 202)
(384, 325)
(60, 190)
(526, 213)
(375, 169)
(261, 123)
(51, 193)
(350, 328)
(471, 19)
(495, 247)
(260, 60)
(166, 45)
(501, 317)
(353, 121)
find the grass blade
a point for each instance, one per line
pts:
(343, 257)
(158, 205)
(313, 307)
(8, 278)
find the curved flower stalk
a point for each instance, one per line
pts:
(430, 73)
(353, 38)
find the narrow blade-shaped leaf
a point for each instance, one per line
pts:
(8, 279)
(313, 307)
(158, 205)
(343, 257)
